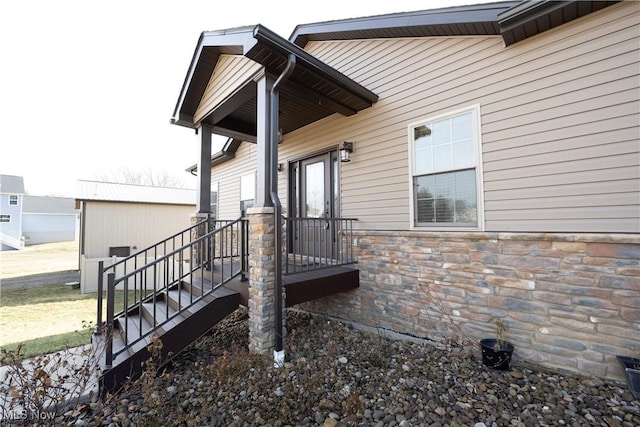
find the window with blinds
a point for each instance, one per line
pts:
(445, 170)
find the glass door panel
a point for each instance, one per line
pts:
(313, 199)
(315, 191)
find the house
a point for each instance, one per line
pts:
(31, 220)
(48, 219)
(11, 195)
(116, 220)
(477, 163)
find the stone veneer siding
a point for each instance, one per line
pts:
(262, 320)
(568, 300)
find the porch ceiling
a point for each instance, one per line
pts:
(312, 92)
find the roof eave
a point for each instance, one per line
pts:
(227, 153)
(253, 42)
(516, 17)
(234, 41)
(312, 64)
(515, 20)
(451, 18)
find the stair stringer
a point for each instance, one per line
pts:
(175, 339)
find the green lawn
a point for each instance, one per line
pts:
(41, 294)
(50, 344)
(39, 259)
(47, 318)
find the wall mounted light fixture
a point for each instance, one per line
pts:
(346, 148)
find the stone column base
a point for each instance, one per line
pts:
(261, 280)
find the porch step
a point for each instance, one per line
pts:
(176, 322)
(164, 314)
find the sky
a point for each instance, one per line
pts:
(87, 87)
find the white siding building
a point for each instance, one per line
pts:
(120, 219)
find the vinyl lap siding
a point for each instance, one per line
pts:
(229, 75)
(130, 224)
(228, 174)
(559, 116)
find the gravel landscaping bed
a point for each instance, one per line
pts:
(336, 375)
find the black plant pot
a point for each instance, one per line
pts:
(496, 356)
(631, 367)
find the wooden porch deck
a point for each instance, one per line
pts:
(309, 285)
(305, 284)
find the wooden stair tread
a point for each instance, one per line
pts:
(180, 300)
(165, 316)
(176, 333)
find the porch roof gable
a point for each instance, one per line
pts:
(314, 87)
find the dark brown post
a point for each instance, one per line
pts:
(203, 204)
(100, 294)
(110, 307)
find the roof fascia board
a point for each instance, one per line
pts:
(178, 117)
(130, 202)
(248, 41)
(185, 120)
(487, 12)
(227, 152)
(527, 12)
(217, 159)
(234, 42)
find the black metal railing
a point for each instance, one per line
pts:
(317, 243)
(206, 255)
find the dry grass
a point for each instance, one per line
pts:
(26, 322)
(33, 313)
(38, 259)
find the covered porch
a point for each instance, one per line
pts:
(253, 86)
(179, 288)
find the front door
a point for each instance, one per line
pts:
(314, 202)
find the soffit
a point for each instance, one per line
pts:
(453, 21)
(513, 20)
(530, 18)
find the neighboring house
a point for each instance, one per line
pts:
(49, 219)
(117, 220)
(494, 158)
(31, 220)
(11, 198)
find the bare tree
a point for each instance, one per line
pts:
(149, 176)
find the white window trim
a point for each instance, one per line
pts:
(7, 222)
(215, 187)
(477, 137)
(17, 199)
(244, 178)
